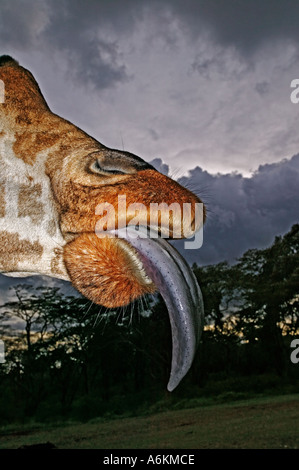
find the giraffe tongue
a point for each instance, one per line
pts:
(178, 286)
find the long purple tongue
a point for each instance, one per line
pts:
(178, 286)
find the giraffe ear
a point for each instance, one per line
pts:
(7, 59)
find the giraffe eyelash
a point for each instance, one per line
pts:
(96, 168)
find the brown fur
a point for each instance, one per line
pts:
(29, 203)
(35, 127)
(99, 268)
(27, 144)
(2, 200)
(148, 186)
(51, 228)
(56, 262)
(102, 269)
(13, 250)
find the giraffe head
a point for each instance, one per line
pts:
(96, 193)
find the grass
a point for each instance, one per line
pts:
(258, 423)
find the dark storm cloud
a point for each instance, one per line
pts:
(81, 29)
(243, 212)
(72, 27)
(262, 87)
(243, 24)
(90, 33)
(160, 166)
(20, 23)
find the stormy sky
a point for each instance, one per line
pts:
(200, 86)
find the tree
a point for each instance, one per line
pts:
(269, 280)
(216, 283)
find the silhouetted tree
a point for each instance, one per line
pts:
(269, 281)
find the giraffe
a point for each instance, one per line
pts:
(53, 178)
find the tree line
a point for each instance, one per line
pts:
(68, 358)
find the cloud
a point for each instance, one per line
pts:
(160, 166)
(188, 81)
(245, 213)
(262, 87)
(68, 28)
(21, 27)
(244, 25)
(91, 34)
(7, 285)
(82, 33)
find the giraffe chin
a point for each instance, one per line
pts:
(105, 270)
(125, 264)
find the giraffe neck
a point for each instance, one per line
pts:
(30, 238)
(30, 136)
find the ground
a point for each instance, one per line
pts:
(260, 423)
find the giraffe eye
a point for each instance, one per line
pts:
(96, 167)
